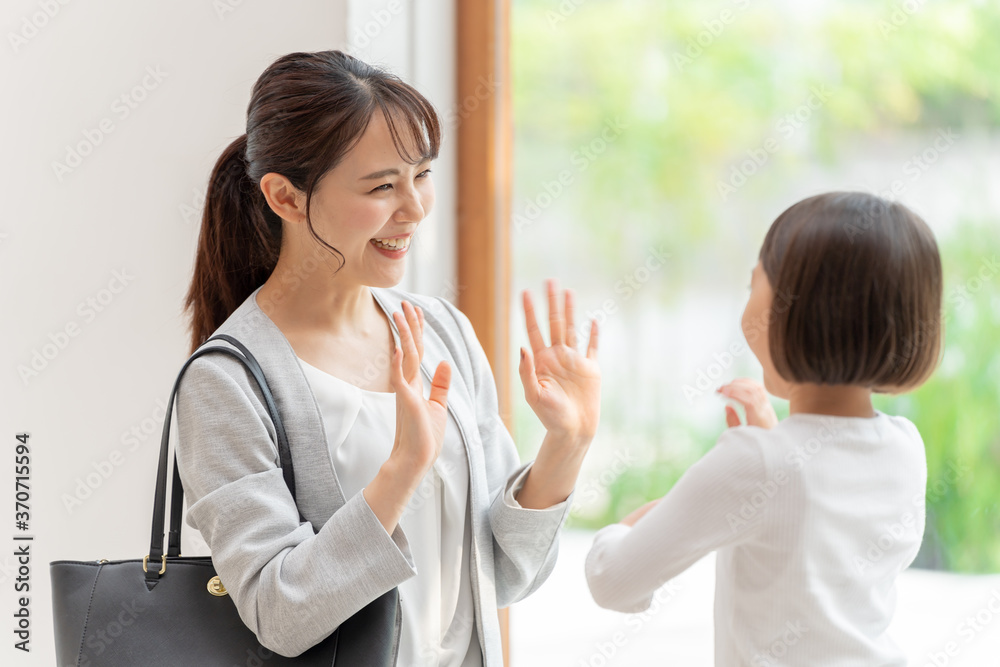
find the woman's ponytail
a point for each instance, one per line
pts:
(238, 245)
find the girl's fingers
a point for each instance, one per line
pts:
(440, 384)
(727, 391)
(753, 397)
(739, 393)
(732, 419)
(420, 318)
(751, 387)
(531, 323)
(555, 318)
(568, 314)
(592, 343)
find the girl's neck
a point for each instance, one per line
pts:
(834, 400)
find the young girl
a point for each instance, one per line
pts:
(814, 517)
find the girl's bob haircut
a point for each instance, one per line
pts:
(860, 282)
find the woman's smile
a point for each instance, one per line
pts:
(394, 248)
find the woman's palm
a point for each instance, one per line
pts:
(562, 385)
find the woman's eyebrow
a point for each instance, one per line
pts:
(392, 171)
(380, 174)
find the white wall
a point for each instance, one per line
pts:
(121, 226)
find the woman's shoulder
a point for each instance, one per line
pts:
(436, 309)
(442, 317)
(444, 323)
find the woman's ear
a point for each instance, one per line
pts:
(287, 201)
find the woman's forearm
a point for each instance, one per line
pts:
(554, 472)
(391, 489)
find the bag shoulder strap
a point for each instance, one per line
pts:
(177, 490)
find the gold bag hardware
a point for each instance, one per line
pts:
(216, 588)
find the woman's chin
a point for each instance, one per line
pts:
(386, 279)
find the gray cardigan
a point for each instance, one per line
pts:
(293, 587)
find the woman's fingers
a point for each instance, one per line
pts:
(555, 317)
(526, 369)
(411, 358)
(420, 318)
(413, 320)
(440, 384)
(592, 343)
(562, 328)
(531, 323)
(568, 314)
(396, 378)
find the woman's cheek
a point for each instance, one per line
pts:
(428, 196)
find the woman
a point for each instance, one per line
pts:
(308, 219)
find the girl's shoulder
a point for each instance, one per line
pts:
(802, 438)
(742, 448)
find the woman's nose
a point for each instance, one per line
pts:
(411, 206)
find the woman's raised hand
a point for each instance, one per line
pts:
(561, 384)
(753, 397)
(420, 422)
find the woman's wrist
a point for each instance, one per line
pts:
(391, 489)
(554, 472)
(566, 442)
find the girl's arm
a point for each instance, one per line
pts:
(635, 515)
(706, 510)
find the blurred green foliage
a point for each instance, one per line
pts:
(958, 411)
(690, 109)
(697, 85)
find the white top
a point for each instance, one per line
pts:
(438, 627)
(813, 521)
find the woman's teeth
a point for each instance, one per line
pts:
(392, 244)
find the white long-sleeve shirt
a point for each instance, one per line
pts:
(813, 521)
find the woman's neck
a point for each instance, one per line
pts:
(318, 303)
(835, 400)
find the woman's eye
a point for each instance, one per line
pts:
(385, 187)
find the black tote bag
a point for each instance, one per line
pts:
(168, 610)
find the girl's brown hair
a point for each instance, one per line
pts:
(859, 283)
(306, 112)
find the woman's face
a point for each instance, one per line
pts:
(756, 318)
(369, 206)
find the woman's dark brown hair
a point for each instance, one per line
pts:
(857, 293)
(306, 112)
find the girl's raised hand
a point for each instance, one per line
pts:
(561, 384)
(420, 422)
(753, 397)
